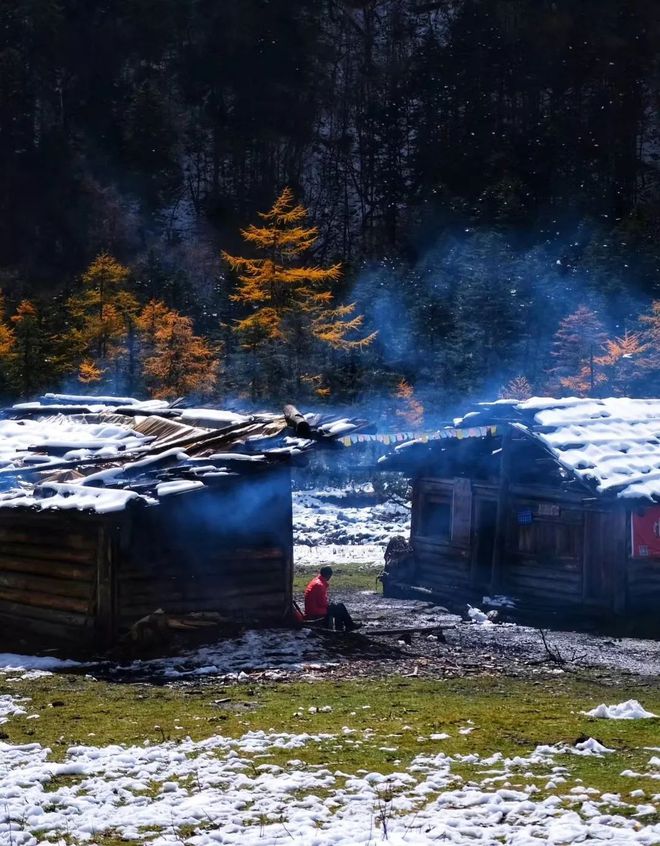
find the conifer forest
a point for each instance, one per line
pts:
(402, 204)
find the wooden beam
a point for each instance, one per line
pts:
(105, 605)
(502, 512)
(297, 421)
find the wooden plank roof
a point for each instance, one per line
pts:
(100, 453)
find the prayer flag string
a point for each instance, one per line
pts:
(422, 437)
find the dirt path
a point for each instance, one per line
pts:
(477, 648)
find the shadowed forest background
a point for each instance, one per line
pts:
(483, 176)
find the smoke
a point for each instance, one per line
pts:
(480, 307)
(232, 513)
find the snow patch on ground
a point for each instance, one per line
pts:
(267, 650)
(256, 650)
(630, 710)
(13, 663)
(10, 707)
(498, 601)
(478, 616)
(320, 519)
(365, 555)
(228, 792)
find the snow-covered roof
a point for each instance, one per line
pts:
(613, 444)
(100, 453)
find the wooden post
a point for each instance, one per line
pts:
(620, 559)
(105, 604)
(288, 545)
(502, 512)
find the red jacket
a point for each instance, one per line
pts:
(316, 598)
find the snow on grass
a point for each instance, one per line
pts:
(320, 519)
(257, 650)
(630, 710)
(591, 746)
(367, 555)
(33, 665)
(322, 764)
(248, 790)
(10, 707)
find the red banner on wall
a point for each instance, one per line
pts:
(646, 533)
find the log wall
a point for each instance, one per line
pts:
(226, 549)
(572, 556)
(566, 558)
(543, 561)
(442, 563)
(48, 575)
(643, 585)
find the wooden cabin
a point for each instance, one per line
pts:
(109, 513)
(554, 504)
(83, 577)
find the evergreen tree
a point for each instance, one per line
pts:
(7, 348)
(650, 337)
(29, 371)
(517, 388)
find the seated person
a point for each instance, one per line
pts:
(318, 605)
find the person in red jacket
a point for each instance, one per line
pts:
(318, 605)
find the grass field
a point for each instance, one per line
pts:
(399, 715)
(477, 759)
(345, 577)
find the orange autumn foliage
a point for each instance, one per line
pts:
(179, 361)
(101, 315)
(288, 302)
(623, 363)
(409, 409)
(89, 373)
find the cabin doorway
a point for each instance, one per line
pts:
(484, 542)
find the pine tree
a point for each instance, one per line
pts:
(289, 304)
(7, 338)
(517, 388)
(650, 334)
(577, 344)
(7, 347)
(149, 320)
(29, 368)
(180, 362)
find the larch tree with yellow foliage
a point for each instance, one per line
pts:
(101, 315)
(290, 307)
(624, 363)
(650, 337)
(177, 362)
(577, 344)
(408, 408)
